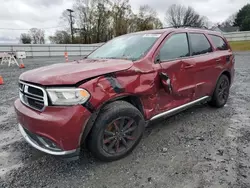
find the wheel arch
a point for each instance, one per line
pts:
(227, 73)
(132, 99)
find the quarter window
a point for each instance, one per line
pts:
(199, 44)
(175, 47)
(219, 43)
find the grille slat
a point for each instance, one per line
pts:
(33, 96)
(35, 91)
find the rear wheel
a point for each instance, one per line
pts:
(117, 131)
(221, 93)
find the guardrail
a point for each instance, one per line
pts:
(50, 50)
(238, 36)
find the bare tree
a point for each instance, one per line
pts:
(84, 18)
(101, 20)
(147, 19)
(25, 38)
(121, 13)
(229, 21)
(101, 17)
(179, 15)
(60, 37)
(65, 19)
(37, 36)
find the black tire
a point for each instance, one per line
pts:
(123, 114)
(221, 92)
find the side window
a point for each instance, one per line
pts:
(219, 43)
(175, 47)
(199, 44)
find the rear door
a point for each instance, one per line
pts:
(223, 52)
(206, 63)
(177, 72)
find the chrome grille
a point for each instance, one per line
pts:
(33, 96)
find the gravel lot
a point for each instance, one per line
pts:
(199, 148)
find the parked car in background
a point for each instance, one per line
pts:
(107, 99)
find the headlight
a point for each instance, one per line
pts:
(68, 96)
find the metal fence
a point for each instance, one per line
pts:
(50, 50)
(238, 36)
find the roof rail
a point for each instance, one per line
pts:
(187, 26)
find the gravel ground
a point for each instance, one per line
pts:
(199, 148)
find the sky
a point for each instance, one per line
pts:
(18, 16)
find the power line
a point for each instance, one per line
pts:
(16, 29)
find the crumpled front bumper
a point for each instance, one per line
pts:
(56, 130)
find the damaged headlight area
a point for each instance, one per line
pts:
(68, 96)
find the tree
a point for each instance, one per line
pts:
(101, 16)
(121, 13)
(60, 37)
(242, 18)
(246, 24)
(37, 36)
(229, 21)
(178, 15)
(83, 16)
(147, 19)
(25, 38)
(101, 20)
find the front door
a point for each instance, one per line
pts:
(177, 74)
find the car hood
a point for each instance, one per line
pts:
(73, 72)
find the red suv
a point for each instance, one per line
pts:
(107, 99)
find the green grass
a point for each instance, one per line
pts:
(240, 45)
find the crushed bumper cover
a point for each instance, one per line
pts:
(56, 130)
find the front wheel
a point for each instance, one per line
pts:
(221, 93)
(117, 131)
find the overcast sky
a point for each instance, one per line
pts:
(25, 14)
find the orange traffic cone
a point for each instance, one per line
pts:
(21, 66)
(66, 56)
(1, 80)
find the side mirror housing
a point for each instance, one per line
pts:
(166, 82)
(158, 59)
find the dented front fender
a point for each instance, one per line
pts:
(140, 80)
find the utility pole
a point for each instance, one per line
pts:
(71, 24)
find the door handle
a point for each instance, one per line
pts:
(218, 60)
(188, 66)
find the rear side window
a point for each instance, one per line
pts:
(199, 44)
(175, 47)
(219, 43)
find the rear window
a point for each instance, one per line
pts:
(219, 43)
(199, 44)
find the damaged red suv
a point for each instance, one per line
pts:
(107, 99)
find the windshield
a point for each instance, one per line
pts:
(132, 47)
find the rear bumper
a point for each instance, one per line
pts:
(56, 130)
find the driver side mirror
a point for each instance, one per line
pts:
(166, 82)
(158, 59)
